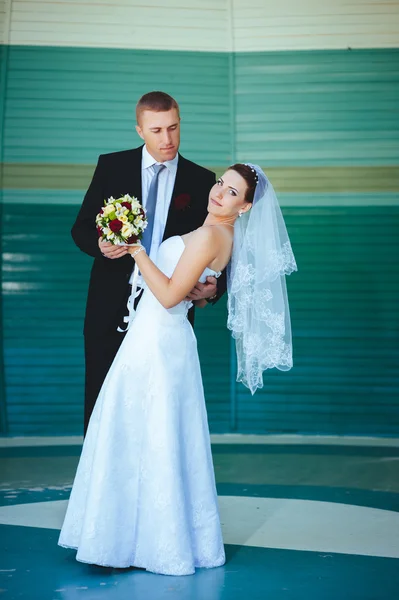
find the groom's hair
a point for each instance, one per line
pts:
(157, 102)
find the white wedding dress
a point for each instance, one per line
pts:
(144, 493)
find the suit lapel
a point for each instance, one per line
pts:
(178, 221)
(134, 173)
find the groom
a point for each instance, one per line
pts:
(174, 192)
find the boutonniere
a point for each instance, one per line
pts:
(182, 201)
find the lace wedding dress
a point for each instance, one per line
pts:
(144, 492)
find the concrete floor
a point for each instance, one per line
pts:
(303, 518)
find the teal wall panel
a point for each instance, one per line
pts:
(289, 111)
(3, 80)
(333, 108)
(345, 322)
(44, 286)
(67, 105)
(318, 108)
(45, 281)
(344, 316)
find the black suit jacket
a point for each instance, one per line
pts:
(116, 174)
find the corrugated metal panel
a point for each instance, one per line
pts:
(314, 24)
(69, 105)
(301, 110)
(213, 346)
(344, 310)
(44, 294)
(175, 25)
(4, 29)
(45, 281)
(318, 108)
(345, 320)
(66, 105)
(344, 314)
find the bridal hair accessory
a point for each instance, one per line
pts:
(258, 311)
(255, 174)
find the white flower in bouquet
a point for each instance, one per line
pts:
(127, 231)
(108, 210)
(138, 221)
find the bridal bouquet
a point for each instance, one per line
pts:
(121, 221)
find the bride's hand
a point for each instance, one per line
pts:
(133, 247)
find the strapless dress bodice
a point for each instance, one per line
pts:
(169, 254)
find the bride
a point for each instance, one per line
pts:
(144, 493)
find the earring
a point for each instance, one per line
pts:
(240, 213)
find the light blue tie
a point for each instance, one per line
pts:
(150, 208)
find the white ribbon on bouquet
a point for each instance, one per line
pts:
(128, 319)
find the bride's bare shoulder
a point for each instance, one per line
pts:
(206, 234)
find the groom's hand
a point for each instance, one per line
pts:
(110, 250)
(203, 290)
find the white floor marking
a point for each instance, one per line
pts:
(268, 523)
(309, 525)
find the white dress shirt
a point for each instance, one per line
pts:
(166, 183)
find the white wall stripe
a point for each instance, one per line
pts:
(217, 26)
(170, 25)
(5, 17)
(261, 25)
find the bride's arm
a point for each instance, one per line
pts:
(201, 249)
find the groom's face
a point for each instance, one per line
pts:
(161, 133)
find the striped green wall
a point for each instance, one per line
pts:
(345, 325)
(332, 118)
(318, 108)
(3, 75)
(323, 124)
(65, 105)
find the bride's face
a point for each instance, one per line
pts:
(227, 196)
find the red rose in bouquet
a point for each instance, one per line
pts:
(115, 225)
(133, 239)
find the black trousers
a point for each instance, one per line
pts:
(99, 354)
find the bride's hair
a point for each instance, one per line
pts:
(250, 176)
